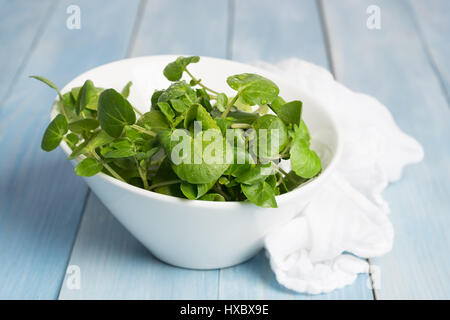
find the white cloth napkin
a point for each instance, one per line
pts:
(315, 252)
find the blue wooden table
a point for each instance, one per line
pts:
(49, 221)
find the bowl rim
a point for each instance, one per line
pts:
(206, 203)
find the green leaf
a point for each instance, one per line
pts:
(69, 101)
(223, 124)
(256, 174)
(164, 174)
(174, 70)
(189, 190)
(71, 139)
(302, 132)
(179, 105)
(83, 125)
(167, 110)
(114, 112)
(88, 167)
(147, 154)
(253, 89)
(154, 120)
(155, 97)
(276, 104)
(126, 90)
(93, 102)
(243, 117)
(291, 181)
(54, 133)
(49, 83)
(273, 127)
(221, 101)
(179, 90)
(224, 180)
(204, 100)
(304, 161)
(120, 153)
(239, 104)
(74, 92)
(261, 194)
(197, 112)
(212, 197)
(291, 112)
(192, 166)
(98, 139)
(177, 121)
(195, 191)
(86, 93)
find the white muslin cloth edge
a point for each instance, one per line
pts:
(317, 251)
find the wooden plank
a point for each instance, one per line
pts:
(183, 27)
(271, 32)
(20, 26)
(256, 280)
(114, 265)
(432, 17)
(392, 65)
(293, 30)
(41, 199)
(118, 266)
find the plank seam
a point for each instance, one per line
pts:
(135, 29)
(327, 42)
(137, 25)
(228, 55)
(326, 37)
(230, 29)
(83, 209)
(219, 272)
(374, 292)
(429, 55)
(42, 25)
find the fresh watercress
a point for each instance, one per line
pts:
(192, 142)
(54, 133)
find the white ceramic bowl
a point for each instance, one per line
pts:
(202, 234)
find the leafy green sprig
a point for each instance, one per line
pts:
(113, 137)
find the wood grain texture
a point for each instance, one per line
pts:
(293, 29)
(392, 64)
(117, 266)
(269, 32)
(114, 265)
(197, 27)
(41, 199)
(434, 25)
(20, 25)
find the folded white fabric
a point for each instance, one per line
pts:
(311, 253)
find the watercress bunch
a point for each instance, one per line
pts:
(230, 150)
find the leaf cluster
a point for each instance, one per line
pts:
(111, 136)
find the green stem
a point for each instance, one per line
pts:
(161, 184)
(63, 106)
(137, 111)
(219, 190)
(285, 151)
(240, 126)
(157, 162)
(150, 133)
(199, 82)
(229, 105)
(107, 167)
(143, 174)
(286, 175)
